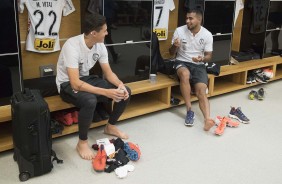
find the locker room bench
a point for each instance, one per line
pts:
(147, 97)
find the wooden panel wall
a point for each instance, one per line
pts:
(70, 26)
(236, 38)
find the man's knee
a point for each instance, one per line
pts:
(128, 90)
(200, 91)
(183, 74)
(89, 102)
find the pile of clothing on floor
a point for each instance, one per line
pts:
(114, 155)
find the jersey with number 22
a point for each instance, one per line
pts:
(44, 19)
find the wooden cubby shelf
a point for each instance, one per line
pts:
(147, 98)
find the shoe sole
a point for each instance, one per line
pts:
(232, 126)
(190, 125)
(218, 134)
(235, 117)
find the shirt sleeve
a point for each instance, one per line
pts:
(68, 8)
(171, 5)
(70, 56)
(21, 6)
(209, 43)
(104, 54)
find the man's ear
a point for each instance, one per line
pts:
(94, 33)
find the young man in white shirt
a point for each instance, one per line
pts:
(193, 45)
(79, 54)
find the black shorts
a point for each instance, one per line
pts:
(198, 73)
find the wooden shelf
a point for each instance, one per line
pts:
(163, 81)
(143, 104)
(74, 128)
(5, 113)
(6, 139)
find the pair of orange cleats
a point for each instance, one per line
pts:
(99, 162)
(222, 122)
(67, 118)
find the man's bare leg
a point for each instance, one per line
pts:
(84, 150)
(204, 105)
(113, 130)
(185, 88)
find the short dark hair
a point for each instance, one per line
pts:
(93, 22)
(197, 11)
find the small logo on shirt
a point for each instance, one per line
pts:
(201, 41)
(95, 57)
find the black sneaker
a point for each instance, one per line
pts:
(249, 79)
(260, 94)
(259, 76)
(102, 113)
(239, 115)
(253, 94)
(96, 117)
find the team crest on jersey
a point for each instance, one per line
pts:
(201, 41)
(44, 44)
(95, 57)
(161, 33)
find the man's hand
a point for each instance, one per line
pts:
(176, 42)
(174, 47)
(122, 87)
(116, 94)
(198, 59)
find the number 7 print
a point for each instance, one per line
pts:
(160, 14)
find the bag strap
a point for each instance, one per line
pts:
(53, 154)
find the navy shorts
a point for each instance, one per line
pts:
(198, 73)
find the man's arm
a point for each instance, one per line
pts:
(79, 85)
(174, 47)
(112, 78)
(207, 57)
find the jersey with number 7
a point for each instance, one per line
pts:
(161, 17)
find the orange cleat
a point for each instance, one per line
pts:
(229, 122)
(99, 162)
(221, 126)
(74, 115)
(65, 118)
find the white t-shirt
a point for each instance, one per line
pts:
(76, 54)
(192, 46)
(161, 17)
(44, 19)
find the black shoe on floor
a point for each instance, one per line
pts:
(96, 117)
(260, 95)
(102, 113)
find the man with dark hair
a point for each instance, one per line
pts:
(193, 45)
(79, 54)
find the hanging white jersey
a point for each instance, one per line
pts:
(44, 23)
(161, 17)
(239, 6)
